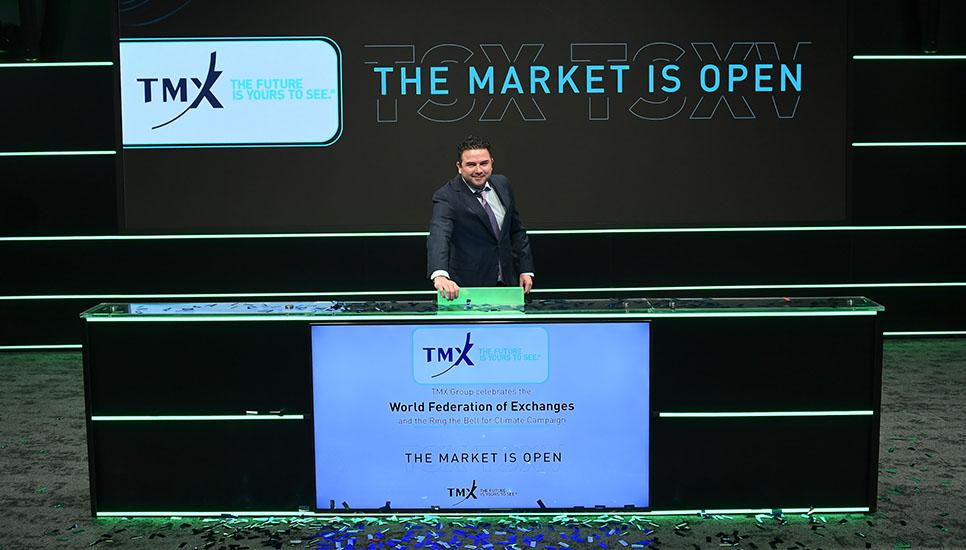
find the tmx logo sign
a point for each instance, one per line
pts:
(465, 492)
(447, 354)
(177, 90)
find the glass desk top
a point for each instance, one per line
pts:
(538, 309)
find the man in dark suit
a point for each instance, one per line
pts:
(475, 236)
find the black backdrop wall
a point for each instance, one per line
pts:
(597, 113)
(900, 241)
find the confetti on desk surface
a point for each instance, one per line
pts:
(562, 532)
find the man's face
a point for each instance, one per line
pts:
(475, 166)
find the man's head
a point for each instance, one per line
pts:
(474, 161)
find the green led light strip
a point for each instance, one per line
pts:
(54, 153)
(924, 57)
(222, 295)
(743, 287)
(452, 316)
(438, 513)
(625, 289)
(745, 229)
(42, 346)
(926, 333)
(56, 64)
(909, 144)
(886, 334)
(200, 418)
(748, 414)
(531, 232)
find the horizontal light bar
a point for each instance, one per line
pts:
(56, 64)
(886, 334)
(924, 57)
(909, 144)
(926, 333)
(749, 414)
(222, 295)
(42, 346)
(475, 316)
(531, 232)
(438, 513)
(54, 153)
(776, 229)
(101, 297)
(743, 287)
(200, 418)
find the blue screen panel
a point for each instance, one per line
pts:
(481, 416)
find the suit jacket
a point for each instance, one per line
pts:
(462, 242)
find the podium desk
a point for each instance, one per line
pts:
(641, 405)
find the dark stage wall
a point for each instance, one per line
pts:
(863, 199)
(626, 114)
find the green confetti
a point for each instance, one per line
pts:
(41, 489)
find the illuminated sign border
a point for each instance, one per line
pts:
(326, 39)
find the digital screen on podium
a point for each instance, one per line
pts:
(481, 416)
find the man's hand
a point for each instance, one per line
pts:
(446, 288)
(526, 282)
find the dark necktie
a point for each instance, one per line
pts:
(493, 225)
(489, 212)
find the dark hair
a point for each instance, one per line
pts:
(472, 142)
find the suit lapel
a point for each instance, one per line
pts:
(505, 201)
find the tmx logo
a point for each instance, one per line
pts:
(177, 90)
(465, 492)
(447, 354)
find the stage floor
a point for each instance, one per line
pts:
(44, 499)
